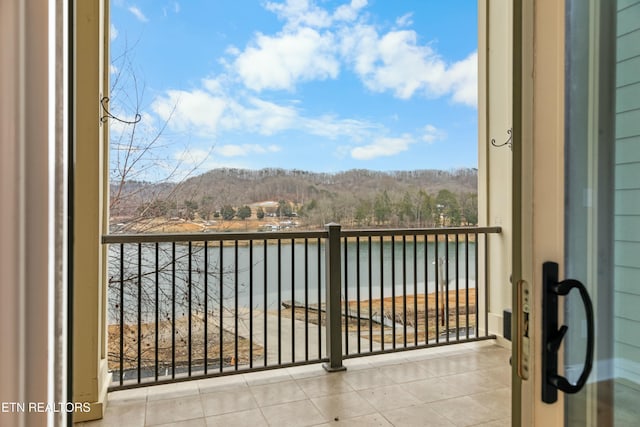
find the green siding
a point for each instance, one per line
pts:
(627, 279)
(623, 4)
(627, 196)
(626, 306)
(628, 124)
(628, 46)
(627, 331)
(626, 254)
(627, 228)
(627, 176)
(628, 19)
(628, 149)
(627, 202)
(627, 72)
(627, 97)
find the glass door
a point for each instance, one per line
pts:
(602, 208)
(576, 156)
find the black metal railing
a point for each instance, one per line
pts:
(184, 306)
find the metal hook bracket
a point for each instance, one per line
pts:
(508, 142)
(107, 114)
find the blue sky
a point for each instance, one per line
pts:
(321, 85)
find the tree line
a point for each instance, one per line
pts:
(380, 209)
(357, 198)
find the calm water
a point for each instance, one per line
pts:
(291, 272)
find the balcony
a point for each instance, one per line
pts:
(458, 385)
(237, 326)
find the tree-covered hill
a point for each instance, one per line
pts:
(353, 198)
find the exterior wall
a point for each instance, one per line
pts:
(627, 194)
(90, 375)
(495, 163)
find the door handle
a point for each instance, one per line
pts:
(552, 336)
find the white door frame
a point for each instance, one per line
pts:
(538, 187)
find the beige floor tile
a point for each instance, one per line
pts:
(197, 422)
(419, 387)
(501, 374)
(389, 358)
(212, 385)
(122, 415)
(172, 410)
(275, 393)
(357, 364)
(473, 413)
(506, 422)
(371, 420)
(324, 385)
(434, 389)
(366, 378)
(128, 397)
(224, 402)
(307, 371)
(473, 382)
(250, 418)
(346, 405)
(452, 350)
(498, 401)
(406, 372)
(293, 414)
(418, 416)
(267, 377)
(173, 390)
(448, 365)
(388, 397)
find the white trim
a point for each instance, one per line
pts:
(51, 206)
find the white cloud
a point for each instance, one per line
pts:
(231, 150)
(138, 14)
(314, 44)
(193, 161)
(382, 147)
(300, 12)
(172, 7)
(206, 113)
(192, 156)
(196, 111)
(395, 62)
(463, 77)
(282, 61)
(432, 134)
(405, 20)
(349, 12)
(390, 146)
(113, 32)
(332, 127)
(209, 111)
(305, 13)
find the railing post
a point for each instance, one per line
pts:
(442, 282)
(333, 279)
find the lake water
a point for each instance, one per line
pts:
(292, 271)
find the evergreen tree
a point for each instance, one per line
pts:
(382, 207)
(244, 212)
(227, 212)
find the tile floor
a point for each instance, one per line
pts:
(460, 385)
